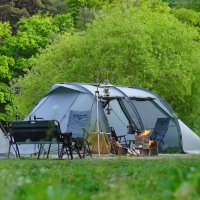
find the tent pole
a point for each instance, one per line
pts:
(98, 131)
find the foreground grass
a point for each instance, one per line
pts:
(162, 177)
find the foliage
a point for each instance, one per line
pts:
(33, 34)
(188, 4)
(6, 62)
(163, 177)
(188, 16)
(83, 11)
(13, 11)
(144, 45)
(192, 19)
(194, 118)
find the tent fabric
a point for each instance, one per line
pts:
(136, 92)
(191, 142)
(4, 143)
(68, 101)
(52, 105)
(69, 86)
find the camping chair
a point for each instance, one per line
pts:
(66, 140)
(121, 138)
(160, 130)
(131, 131)
(81, 146)
(77, 124)
(118, 149)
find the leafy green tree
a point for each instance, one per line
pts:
(33, 34)
(189, 17)
(83, 11)
(13, 11)
(138, 44)
(188, 4)
(6, 62)
(192, 18)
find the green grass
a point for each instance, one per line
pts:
(162, 177)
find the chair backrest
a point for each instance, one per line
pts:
(66, 138)
(160, 129)
(78, 123)
(113, 133)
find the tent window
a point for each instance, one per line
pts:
(131, 114)
(116, 117)
(149, 113)
(157, 101)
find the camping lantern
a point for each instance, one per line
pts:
(106, 88)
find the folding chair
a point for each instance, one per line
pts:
(121, 138)
(160, 130)
(81, 146)
(66, 140)
(77, 124)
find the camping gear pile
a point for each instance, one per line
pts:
(78, 110)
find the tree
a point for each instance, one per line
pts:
(83, 11)
(6, 62)
(192, 19)
(189, 17)
(13, 11)
(139, 44)
(188, 4)
(33, 34)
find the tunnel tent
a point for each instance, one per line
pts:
(117, 109)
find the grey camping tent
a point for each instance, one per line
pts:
(74, 105)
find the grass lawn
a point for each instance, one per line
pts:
(162, 177)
